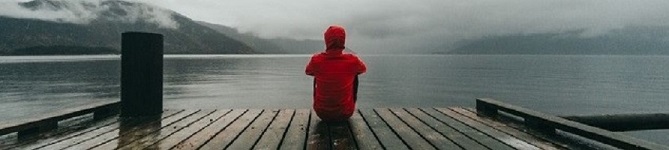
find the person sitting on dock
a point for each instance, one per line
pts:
(335, 77)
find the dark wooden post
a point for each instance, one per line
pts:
(141, 74)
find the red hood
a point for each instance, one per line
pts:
(335, 37)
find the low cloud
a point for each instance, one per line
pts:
(390, 26)
(85, 11)
(407, 25)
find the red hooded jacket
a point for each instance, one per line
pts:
(334, 76)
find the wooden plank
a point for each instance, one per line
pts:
(60, 134)
(222, 139)
(107, 132)
(340, 136)
(149, 136)
(250, 135)
(363, 135)
(318, 137)
(501, 136)
(549, 121)
(435, 138)
(189, 130)
(446, 130)
(296, 135)
(408, 135)
(202, 136)
(536, 141)
(126, 130)
(28, 123)
(275, 132)
(382, 131)
(481, 138)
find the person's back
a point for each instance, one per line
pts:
(334, 75)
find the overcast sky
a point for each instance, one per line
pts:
(406, 25)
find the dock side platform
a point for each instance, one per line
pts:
(380, 128)
(492, 125)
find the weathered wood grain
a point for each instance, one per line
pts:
(39, 121)
(103, 134)
(228, 135)
(275, 132)
(408, 135)
(382, 131)
(501, 136)
(208, 132)
(379, 128)
(318, 137)
(248, 138)
(549, 123)
(187, 131)
(340, 136)
(129, 131)
(456, 136)
(480, 137)
(296, 135)
(363, 135)
(432, 136)
(536, 141)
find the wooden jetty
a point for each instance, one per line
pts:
(378, 128)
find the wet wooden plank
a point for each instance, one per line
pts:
(129, 136)
(43, 122)
(60, 135)
(189, 130)
(148, 136)
(296, 135)
(340, 136)
(408, 135)
(536, 141)
(202, 136)
(482, 138)
(102, 134)
(446, 130)
(432, 136)
(395, 128)
(318, 137)
(152, 135)
(229, 134)
(363, 135)
(251, 134)
(548, 123)
(275, 132)
(386, 136)
(503, 137)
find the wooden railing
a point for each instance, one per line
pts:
(549, 123)
(625, 122)
(45, 122)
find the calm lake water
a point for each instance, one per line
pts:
(561, 85)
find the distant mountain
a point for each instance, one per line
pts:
(626, 41)
(300, 46)
(270, 46)
(258, 44)
(102, 34)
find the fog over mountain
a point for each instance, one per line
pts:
(43, 27)
(270, 45)
(87, 11)
(422, 26)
